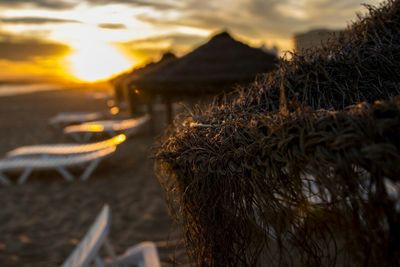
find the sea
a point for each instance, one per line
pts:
(19, 89)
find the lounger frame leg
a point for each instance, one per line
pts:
(75, 136)
(66, 174)
(81, 137)
(111, 133)
(99, 262)
(110, 250)
(86, 137)
(56, 125)
(132, 131)
(142, 255)
(24, 176)
(89, 170)
(4, 180)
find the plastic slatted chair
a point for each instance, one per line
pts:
(87, 252)
(59, 163)
(83, 132)
(67, 118)
(65, 149)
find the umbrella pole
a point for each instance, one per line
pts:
(130, 95)
(168, 105)
(150, 111)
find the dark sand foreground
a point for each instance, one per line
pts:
(42, 220)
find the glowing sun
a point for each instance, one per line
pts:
(97, 61)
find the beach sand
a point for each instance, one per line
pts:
(42, 221)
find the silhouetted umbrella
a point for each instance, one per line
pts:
(167, 58)
(212, 67)
(121, 82)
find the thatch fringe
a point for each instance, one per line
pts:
(308, 189)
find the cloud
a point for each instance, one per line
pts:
(265, 20)
(14, 48)
(35, 20)
(153, 47)
(166, 41)
(306, 13)
(112, 26)
(206, 21)
(158, 5)
(48, 4)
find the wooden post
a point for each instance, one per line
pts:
(168, 105)
(130, 100)
(150, 111)
(118, 93)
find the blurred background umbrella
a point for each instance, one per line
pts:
(211, 69)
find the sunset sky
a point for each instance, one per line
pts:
(94, 39)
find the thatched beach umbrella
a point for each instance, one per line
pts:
(313, 184)
(211, 68)
(116, 84)
(222, 61)
(166, 58)
(121, 83)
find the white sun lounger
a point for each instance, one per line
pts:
(59, 163)
(87, 252)
(83, 132)
(66, 149)
(66, 118)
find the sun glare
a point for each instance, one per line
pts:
(94, 62)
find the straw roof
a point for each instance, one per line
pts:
(241, 187)
(122, 82)
(221, 60)
(135, 73)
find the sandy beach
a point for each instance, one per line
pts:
(43, 220)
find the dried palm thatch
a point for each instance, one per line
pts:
(302, 186)
(361, 64)
(309, 189)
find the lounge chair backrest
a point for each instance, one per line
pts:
(87, 250)
(109, 125)
(53, 161)
(64, 149)
(69, 117)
